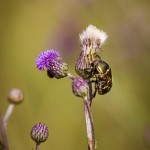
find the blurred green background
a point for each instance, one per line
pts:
(121, 117)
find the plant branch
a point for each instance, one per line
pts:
(8, 113)
(89, 125)
(90, 93)
(3, 134)
(70, 76)
(1, 145)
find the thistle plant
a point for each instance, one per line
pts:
(94, 74)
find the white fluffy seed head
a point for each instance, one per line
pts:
(92, 32)
(92, 38)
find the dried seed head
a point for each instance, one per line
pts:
(80, 87)
(52, 61)
(91, 39)
(15, 96)
(39, 133)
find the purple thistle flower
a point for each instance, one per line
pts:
(52, 61)
(45, 58)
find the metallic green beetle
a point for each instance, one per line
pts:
(103, 77)
(95, 70)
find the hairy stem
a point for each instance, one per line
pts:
(89, 125)
(3, 134)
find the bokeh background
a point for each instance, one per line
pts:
(121, 117)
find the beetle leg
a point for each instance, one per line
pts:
(94, 94)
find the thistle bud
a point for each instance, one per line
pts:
(80, 87)
(39, 133)
(52, 61)
(15, 96)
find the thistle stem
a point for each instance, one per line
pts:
(8, 113)
(37, 146)
(3, 134)
(90, 93)
(70, 76)
(89, 125)
(1, 145)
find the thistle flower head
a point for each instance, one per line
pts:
(52, 61)
(39, 133)
(91, 39)
(45, 58)
(80, 87)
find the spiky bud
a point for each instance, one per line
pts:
(52, 61)
(15, 96)
(39, 133)
(80, 87)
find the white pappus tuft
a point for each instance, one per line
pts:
(92, 32)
